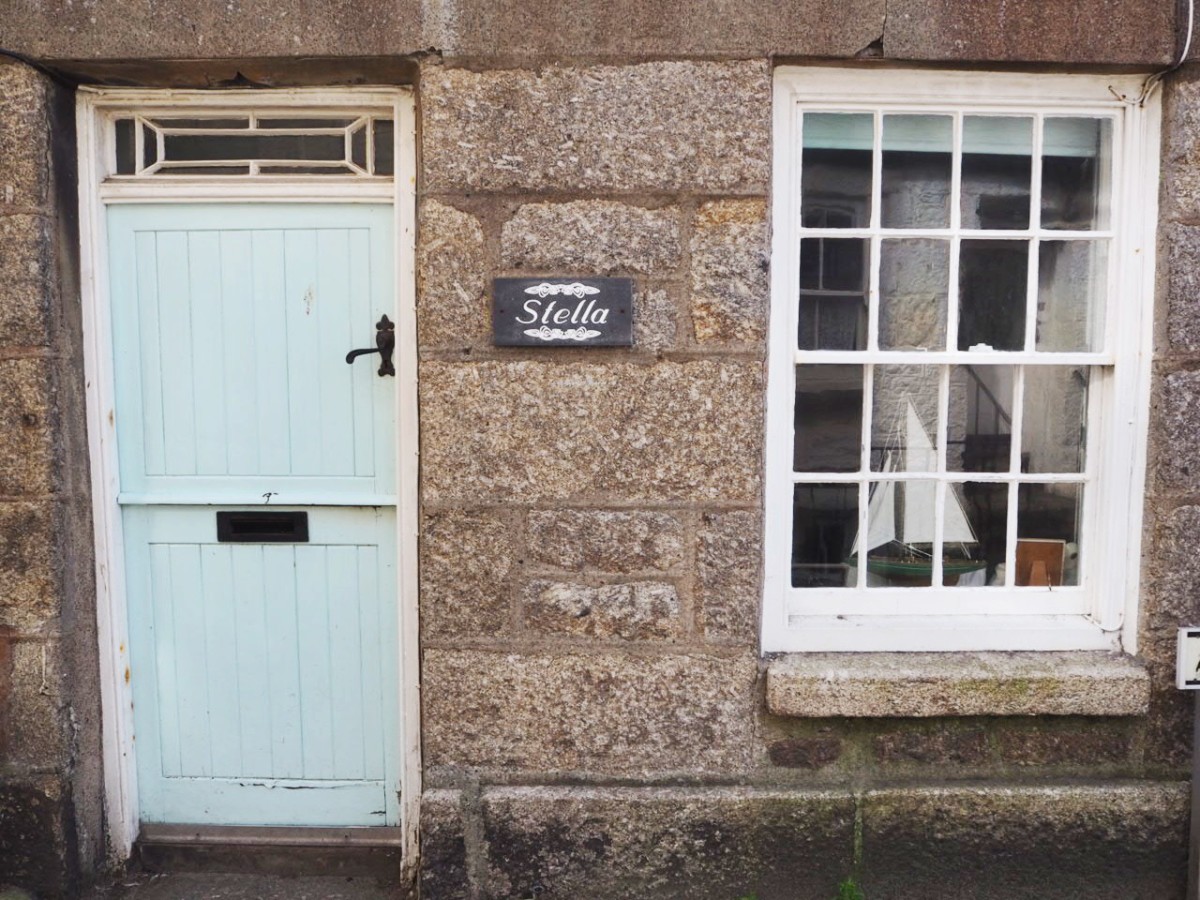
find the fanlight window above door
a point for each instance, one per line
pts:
(254, 144)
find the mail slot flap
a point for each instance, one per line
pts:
(275, 527)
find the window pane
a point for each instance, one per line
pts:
(914, 278)
(340, 122)
(997, 164)
(384, 147)
(251, 146)
(358, 146)
(824, 523)
(1075, 160)
(991, 294)
(1048, 534)
(835, 187)
(828, 418)
(904, 419)
(979, 430)
(123, 131)
(228, 122)
(916, 171)
(833, 294)
(1072, 285)
(1054, 429)
(900, 534)
(975, 534)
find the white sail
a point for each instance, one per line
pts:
(881, 512)
(920, 497)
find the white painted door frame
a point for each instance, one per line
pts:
(94, 113)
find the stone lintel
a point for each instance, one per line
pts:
(902, 685)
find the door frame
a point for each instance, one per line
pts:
(94, 110)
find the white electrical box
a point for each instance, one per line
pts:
(1187, 660)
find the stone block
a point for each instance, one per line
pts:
(1182, 251)
(1180, 193)
(636, 611)
(1105, 842)
(627, 28)
(26, 275)
(24, 139)
(194, 29)
(1105, 32)
(453, 305)
(1083, 745)
(728, 564)
(591, 433)
(658, 126)
(591, 237)
(1175, 432)
(466, 559)
(730, 262)
(805, 752)
(668, 843)
(26, 443)
(29, 594)
(33, 846)
(1175, 588)
(655, 320)
(443, 846)
(606, 540)
(920, 685)
(939, 746)
(601, 713)
(37, 733)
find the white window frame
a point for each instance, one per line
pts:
(1101, 612)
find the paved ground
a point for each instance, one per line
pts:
(188, 886)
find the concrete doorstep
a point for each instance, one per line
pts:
(225, 886)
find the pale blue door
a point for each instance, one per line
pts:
(263, 655)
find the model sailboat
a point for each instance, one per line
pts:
(904, 553)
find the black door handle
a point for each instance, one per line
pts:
(385, 345)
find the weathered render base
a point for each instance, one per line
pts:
(1110, 842)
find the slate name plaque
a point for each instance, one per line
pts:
(562, 312)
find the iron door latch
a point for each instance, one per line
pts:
(385, 345)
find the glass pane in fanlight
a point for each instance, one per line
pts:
(385, 150)
(124, 133)
(358, 146)
(828, 423)
(824, 524)
(336, 122)
(835, 187)
(202, 147)
(195, 122)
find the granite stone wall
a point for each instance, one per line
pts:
(50, 822)
(595, 718)
(591, 552)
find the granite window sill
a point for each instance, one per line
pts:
(915, 685)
